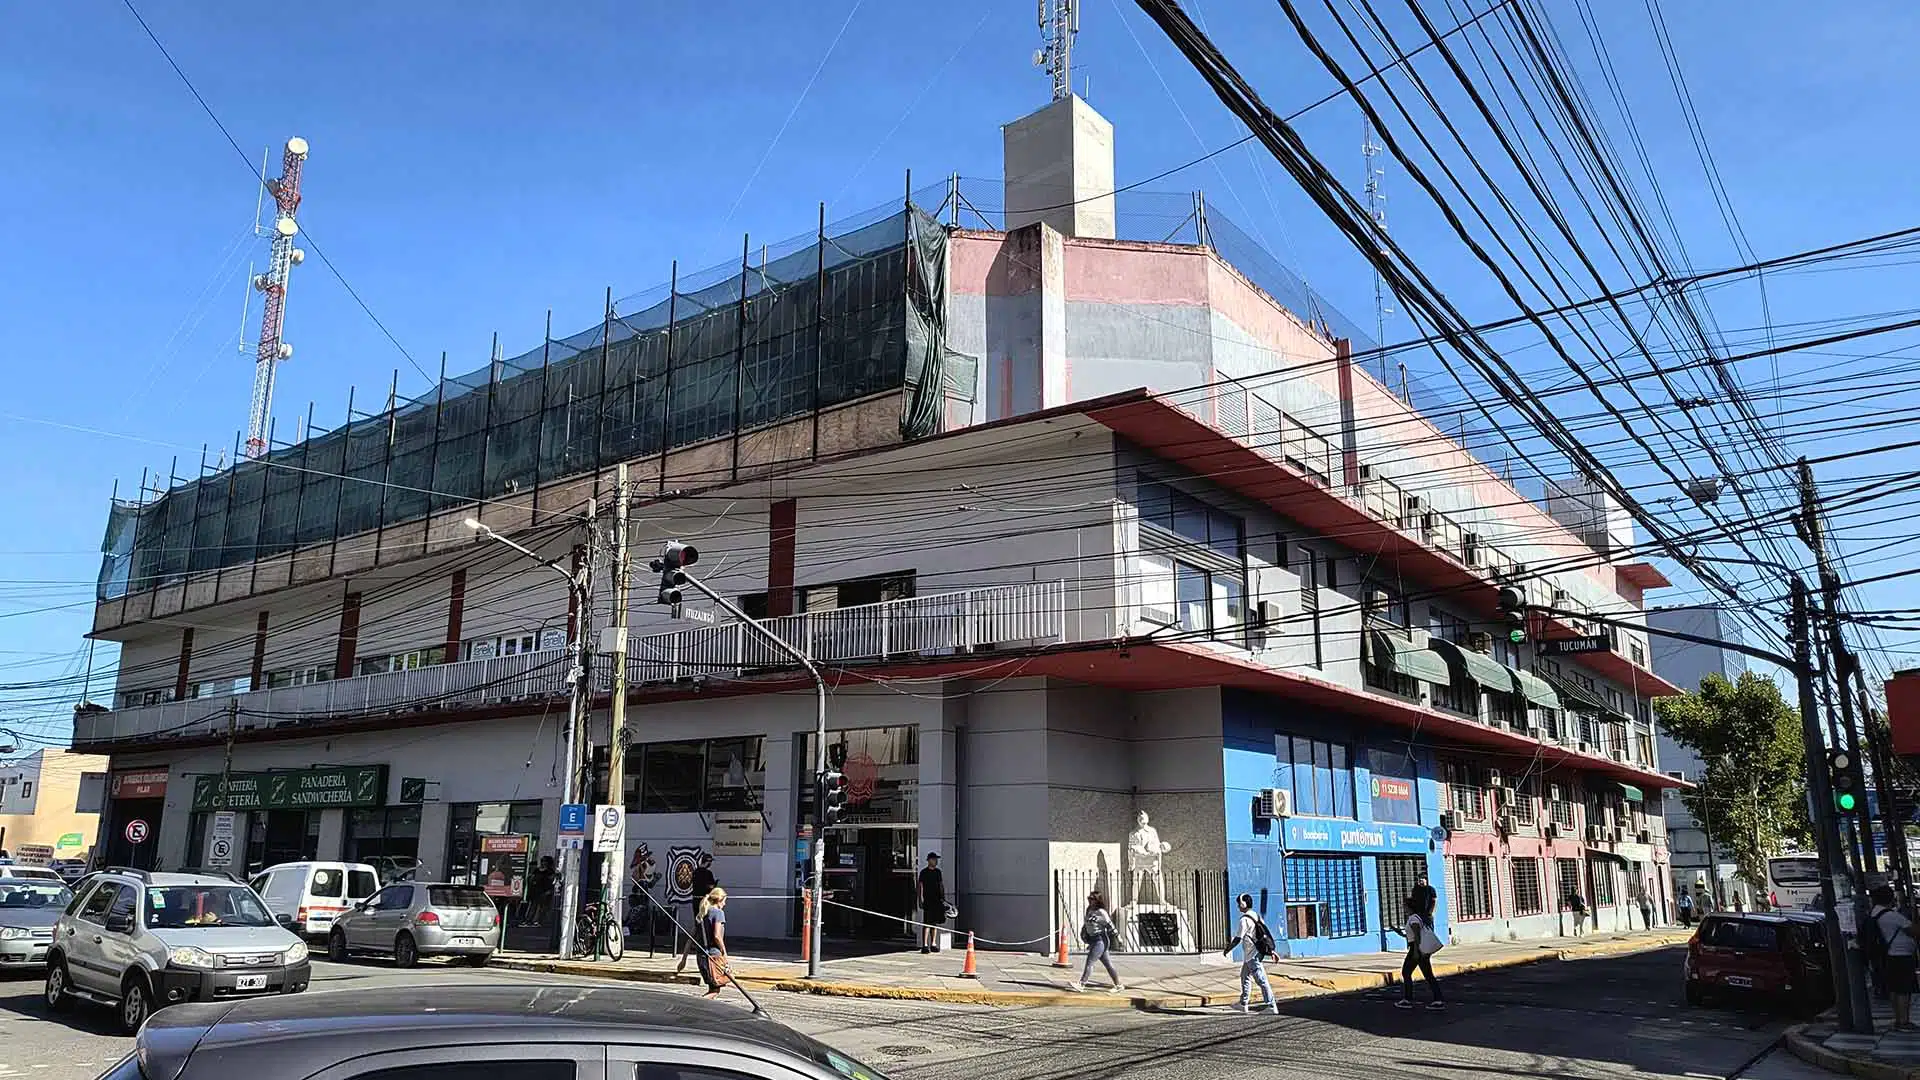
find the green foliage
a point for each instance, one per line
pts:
(1752, 798)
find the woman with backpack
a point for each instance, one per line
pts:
(1898, 948)
(1257, 944)
(1099, 935)
(1422, 943)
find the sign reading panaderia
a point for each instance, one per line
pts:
(293, 789)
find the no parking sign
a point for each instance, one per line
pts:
(136, 831)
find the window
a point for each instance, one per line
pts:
(26, 789)
(394, 898)
(361, 883)
(1566, 881)
(1523, 803)
(1320, 775)
(327, 883)
(1472, 887)
(1638, 652)
(300, 676)
(1447, 627)
(403, 661)
(1527, 899)
(1310, 601)
(1324, 896)
(1465, 793)
(1190, 585)
(99, 902)
(1562, 812)
(529, 1069)
(1165, 507)
(1740, 934)
(1602, 883)
(1229, 602)
(486, 648)
(696, 775)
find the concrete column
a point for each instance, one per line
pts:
(435, 817)
(333, 835)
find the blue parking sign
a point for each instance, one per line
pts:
(573, 817)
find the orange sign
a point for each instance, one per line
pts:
(140, 784)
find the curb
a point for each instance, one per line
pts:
(1309, 987)
(1813, 1053)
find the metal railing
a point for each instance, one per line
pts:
(943, 624)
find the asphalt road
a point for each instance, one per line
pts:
(1590, 1018)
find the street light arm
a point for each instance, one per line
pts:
(487, 532)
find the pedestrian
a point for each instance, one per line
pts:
(1896, 931)
(540, 888)
(1099, 935)
(700, 884)
(933, 904)
(1256, 944)
(1646, 905)
(1739, 903)
(712, 921)
(1422, 943)
(1685, 907)
(1578, 905)
(1422, 899)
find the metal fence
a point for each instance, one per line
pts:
(1201, 895)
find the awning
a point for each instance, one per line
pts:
(1491, 674)
(1396, 653)
(1632, 793)
(1536, 690)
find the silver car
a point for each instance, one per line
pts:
(28, 909)
(410, 919)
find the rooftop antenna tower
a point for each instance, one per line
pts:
(1377, 210)
(1059, 23)
(271, 350)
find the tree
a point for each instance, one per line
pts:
(1751, 801)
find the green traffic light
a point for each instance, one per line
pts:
(1518, 637)
(1844, 800)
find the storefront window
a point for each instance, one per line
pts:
(670, 777)
(469, 821)
(735, 774)
(1319, 773)
(696, 775)
(386, 839)
(281, 836)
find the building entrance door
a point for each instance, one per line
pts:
(871, 869)
(1397, 874)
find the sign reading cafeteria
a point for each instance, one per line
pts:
(293, 789)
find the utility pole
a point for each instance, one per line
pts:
(617, 741)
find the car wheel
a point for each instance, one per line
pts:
(337, 947)
(135, 1004)
(405, 953)
(58, 997)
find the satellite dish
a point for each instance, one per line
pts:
(286, 226)
(296, 256)
(285, 351)
(260, 282)
(297, 146)
(1039, 58)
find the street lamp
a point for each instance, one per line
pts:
(577, 708)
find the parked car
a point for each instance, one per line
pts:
(529, 1032)
(28, 909)
(70, 870)
(139, 941)
(315, 893)
(409, 920)
(36, 873)
(1778, 956)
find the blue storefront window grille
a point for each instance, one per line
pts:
(1325, 897)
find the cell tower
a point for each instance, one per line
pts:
(1377, 210)
(1059, 22)
(273, 286)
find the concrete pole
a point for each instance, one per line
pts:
(617, 744)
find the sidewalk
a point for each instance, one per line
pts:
(1153, 981)
(1883, 1056)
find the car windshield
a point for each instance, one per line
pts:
(458, 896)
(174, 906)
(34, 894)
(1741, 934)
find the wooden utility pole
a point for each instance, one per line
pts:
(617, 744)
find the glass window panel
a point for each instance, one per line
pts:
(671, 777)
(1191, 584)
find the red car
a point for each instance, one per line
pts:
(1778, 956)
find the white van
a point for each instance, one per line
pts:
(315, 893)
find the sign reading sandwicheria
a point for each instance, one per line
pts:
(293, 789)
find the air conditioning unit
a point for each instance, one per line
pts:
(1494, 778)
(1593, 834)
(1470, 549)
(1429, 523)
(1550, 829)
(1274, 803)
(1559, 598)
(1270, 614)
(1506, 795)
(1504, 823)
(1584, 746)
(1449, 820)
(1553, 793)
(1159, 616)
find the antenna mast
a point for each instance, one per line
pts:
(273, 286)
(1377, 210)
(1059, 22)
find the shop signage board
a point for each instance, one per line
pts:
(33, 854)
(1387, 787)
(741, 833)
(69, 841)
(139, 784)
(609, 827)
(413, 789)
(1332, 834)
(573, 826)
(503, 858)
(294, 789)
(220, 829)
(1591, 643)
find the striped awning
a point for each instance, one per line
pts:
(1398, 653)
(1491, 674)
(1536, 690)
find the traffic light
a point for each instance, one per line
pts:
(833, 784)
(1513, 612)
(1843, 778)
(669, 566)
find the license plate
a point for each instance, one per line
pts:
(466, 942)
(250, 982)
(1739, 980)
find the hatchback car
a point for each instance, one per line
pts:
(137, 941)
(29, 908)
(1778, 956)
(409, 920)
(550, 1031)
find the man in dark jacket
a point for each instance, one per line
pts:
(1423, 899)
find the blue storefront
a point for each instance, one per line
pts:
(1366, 814)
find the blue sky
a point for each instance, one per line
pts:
(475, 164)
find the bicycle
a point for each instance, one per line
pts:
(595, 932)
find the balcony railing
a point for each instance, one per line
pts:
(944, 624)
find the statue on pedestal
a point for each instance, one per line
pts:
(1144, 853)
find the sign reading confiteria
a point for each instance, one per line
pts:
(293, 789)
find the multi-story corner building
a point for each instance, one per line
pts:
(1685, 664)
(50, 804)
(1080, 527)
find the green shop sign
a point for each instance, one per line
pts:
(294, 789)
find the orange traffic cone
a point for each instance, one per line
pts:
(1060, 954)
(966, 970)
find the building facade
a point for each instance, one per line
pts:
(50, 803)
(1129, 537)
